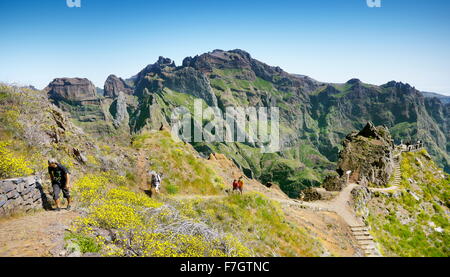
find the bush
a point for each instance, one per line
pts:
(143, 227)
(171, 188)
(257, 221)
(86, 244)
(11, 164)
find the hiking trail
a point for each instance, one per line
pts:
(37, 235)
(341, 206)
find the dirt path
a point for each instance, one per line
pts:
(192, 197)
(342, 207)
(37, 235)
(339, 205)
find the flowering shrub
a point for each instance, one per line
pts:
(143, 227)
(114, 215)
(11, 164)
(90, 188)
(127, 197)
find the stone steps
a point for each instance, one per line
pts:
(397, 172)
(361, 233)
(365, 241)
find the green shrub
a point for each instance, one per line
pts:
(86, 244)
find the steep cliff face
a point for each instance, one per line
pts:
(72, 90)
(114, 85)
(79, 98)
(185, 80)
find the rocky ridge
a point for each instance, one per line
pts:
(315, 116)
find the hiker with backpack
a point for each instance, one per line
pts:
(235, 185)
(155, 182)
(60, 178)
(239, 185)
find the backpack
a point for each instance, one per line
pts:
(156, 178)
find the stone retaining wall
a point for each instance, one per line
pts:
(21, 195)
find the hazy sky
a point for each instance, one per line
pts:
(329, 40)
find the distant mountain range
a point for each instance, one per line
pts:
(315, 116)
(443, 98)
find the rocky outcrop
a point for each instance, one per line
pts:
(190, 81)
(334, 183)
(79, 98)
(360, 199)
(114, 85)
(186, 80)
(316, 194)
(119, 111)
(72, 90)
(21, 195)
(368, 155)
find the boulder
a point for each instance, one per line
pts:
(334, 183)
(379, 133)
(315, 194)
(79, 156)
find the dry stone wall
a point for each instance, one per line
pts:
(21, 195)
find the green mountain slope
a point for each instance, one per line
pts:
(314, 116)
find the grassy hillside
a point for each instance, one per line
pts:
(257, 221)
(184, 172)
(192, 217)
(414, 222)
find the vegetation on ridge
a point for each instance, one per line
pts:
(415, 221)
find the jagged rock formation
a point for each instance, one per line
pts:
(314, 116)
(114, 85)
(368, 155)
(79, 97)
(186, 80)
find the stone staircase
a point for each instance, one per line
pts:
(397, 171)
(365, 241)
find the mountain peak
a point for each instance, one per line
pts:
(393, 84)
(114, 85)
(354, 81)
(165, 61)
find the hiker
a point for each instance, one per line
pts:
(240, 184)
(235, 185)
(155, 182)
(60, 178)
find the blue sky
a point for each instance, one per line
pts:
(329, 40)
